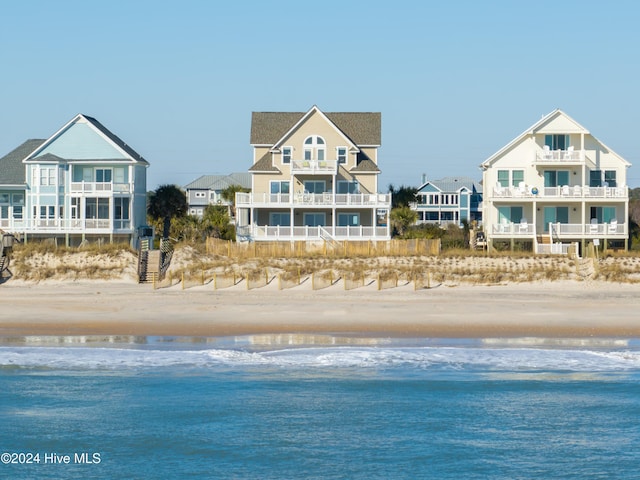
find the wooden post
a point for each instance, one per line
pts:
(313, 281)
(182, 278)
(379, 285)
(215, 281)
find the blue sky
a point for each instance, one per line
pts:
(455, 80)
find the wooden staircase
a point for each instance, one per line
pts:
(148, 265)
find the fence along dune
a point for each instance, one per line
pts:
(417, 246)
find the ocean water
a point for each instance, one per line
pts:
(284, 407)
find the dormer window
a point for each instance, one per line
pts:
(557, 142)
(341, 153)
(286, 154)
(314, 148)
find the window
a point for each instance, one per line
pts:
(279, 187)
(121, 208)
(286, 154)
(17, 212)
(47, 212)
(103, 175)
(348, 219)
(595, 178)
(603, 214)
(503, 178)
(4, 198)
(517, 176)
(314, 148)
(556, 178)
(342, 154)
(97, 208)
(120, 175)
(557, 142)
(314, 186)
(282, 219)
(47, 176)
(314, 219)
(348, 187)
(555, 215)
(75, 207)
(509, 214)
(610, 178)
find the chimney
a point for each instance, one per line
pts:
(424, 178)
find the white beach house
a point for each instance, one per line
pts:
(556, 185)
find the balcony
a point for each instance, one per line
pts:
(62, 225)
(569, 192)
(314, 167)
(304, 233)
(555, 157)
(561, 230)
(326, 199)
(100, 187)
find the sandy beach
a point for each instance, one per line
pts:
(543, 309)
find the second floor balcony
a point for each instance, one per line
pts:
(554, 157)
(533, 192)
(99, 187)
(326, 199)
(314, 167)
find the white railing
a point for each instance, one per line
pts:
(65, 225)
(278, 232)
(565, 191)
(313, 199)
(559, 156)
(561, 230)
(313, 167)
(94, 187)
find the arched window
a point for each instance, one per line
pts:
(314, 148)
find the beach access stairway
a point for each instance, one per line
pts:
(148, 265)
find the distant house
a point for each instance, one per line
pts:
(82, 183)
(556, 185)
(450, 200)
(207, 190)
(314, 176)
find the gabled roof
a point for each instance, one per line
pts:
(101, 130)
(365, 165)
(538, 127)
(12, 170)
(362, 128)
(454, 184)
(220, 182)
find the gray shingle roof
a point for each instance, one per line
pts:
(12, 170)
(220, 182)
(365, 165)
(264, 165)
(363, 128)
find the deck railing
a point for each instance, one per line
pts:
(313, 199)
(566, 191)
(65, 225)
(561, 230)
(95, 187)
(279, 232)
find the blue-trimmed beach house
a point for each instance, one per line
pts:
(450, 200)
(207, 190)
(82, 183)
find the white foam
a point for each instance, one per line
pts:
(449, 358)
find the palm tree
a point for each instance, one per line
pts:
(165, 203)
(229, 194)
(401, 218)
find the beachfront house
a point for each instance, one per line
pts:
(82, 183)
(314, 176)
(556, 185)
(207, 190)
(450, 200)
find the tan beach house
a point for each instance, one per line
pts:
(82, 183)
(556, 185)
(314, 176)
